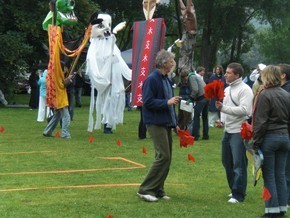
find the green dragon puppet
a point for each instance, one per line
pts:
(64, 14)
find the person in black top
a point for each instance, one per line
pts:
(34, 95)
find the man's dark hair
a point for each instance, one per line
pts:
(199, 69)
(285, 68)
(237, 68)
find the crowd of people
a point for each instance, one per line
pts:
(267, 102)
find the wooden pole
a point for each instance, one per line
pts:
(148, 9)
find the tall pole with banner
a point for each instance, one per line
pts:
(148, 39)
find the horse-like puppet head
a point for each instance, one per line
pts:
(101, 26)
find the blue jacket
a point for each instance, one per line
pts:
(155, 109)
(42, 84)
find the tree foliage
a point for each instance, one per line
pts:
(274, 43)
(224, 30)
(23, 42)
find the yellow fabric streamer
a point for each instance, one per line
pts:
(56, 95)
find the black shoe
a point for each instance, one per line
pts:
(45, 135)
(273, 215)
(205, 138)
(281, 214)
(107, 130)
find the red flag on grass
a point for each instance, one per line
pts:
(144, 150)
(191, 158)
(185, 138)
(57, 134)
(246, 131)
(109, 216)
(118, 142)
(91, 139)
(266, 194)
(2, 129)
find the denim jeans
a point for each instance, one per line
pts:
(71, 97)
(78, 96)
(288, 174)
(62, 114)
(275, 151)
(200, 109)
(235, 163)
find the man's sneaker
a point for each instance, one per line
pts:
(233, 201)
(230, 195)
(149, 198)
(165, 197)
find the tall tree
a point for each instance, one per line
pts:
(274, 43)
(225, 26)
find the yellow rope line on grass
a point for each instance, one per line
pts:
(81, 186)
(138, 166)
(26, 152)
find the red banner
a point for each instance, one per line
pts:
(148, 39)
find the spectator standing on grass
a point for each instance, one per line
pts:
(70, 89)
(235, 109)
(127, 85)
(184, 117)
(214, 114)
(159, 117)
(197, 84)
(271, 118)
(42, 109)
(2, 99)
(61, 113)
(79, 83)
(34, 95)
(285, 71)
(256, 77)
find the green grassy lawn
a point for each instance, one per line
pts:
(54, 177)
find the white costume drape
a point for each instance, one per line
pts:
(105, 67)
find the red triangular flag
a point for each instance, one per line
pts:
(91, 139)
(57, 134)
(191, 158)
(144, 150)
(2, 129)
(118, 142)
(266, 194)
(109, 216)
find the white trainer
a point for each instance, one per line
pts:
(230, 195)
(233, 201)
(165, 197)
(149, 198)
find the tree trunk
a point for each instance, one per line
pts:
(205, 49)
(233, 48)
(239, 45)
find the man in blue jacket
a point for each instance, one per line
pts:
(159, 116)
